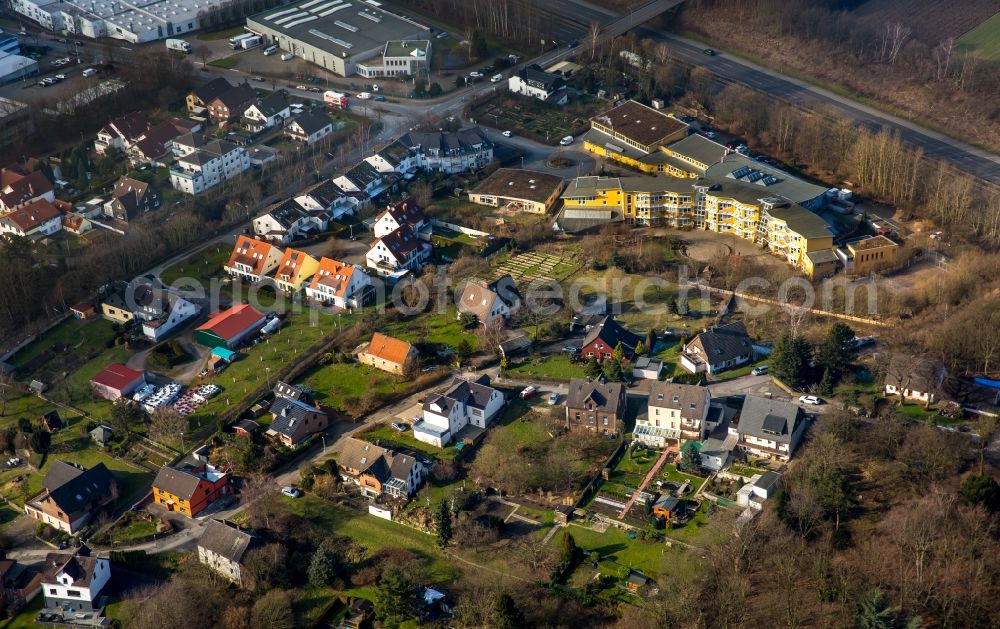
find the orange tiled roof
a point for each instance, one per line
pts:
(388, 348)
(251, 252)
(291, 264)
(333, 273)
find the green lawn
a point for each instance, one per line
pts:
(739, 372)
(637, 461)
(671, 473)
(261, 364)
(226, 63)
(745, 470)
(621, 553)
(919, 413)
(132, 529)
(83, 338)
(333, 382)
(226, 34)
(391, 438)
(548, 367)
(201, 267)
(25, 619)
(375, 533)
(436, 327)
(983, 40)
(702, 529)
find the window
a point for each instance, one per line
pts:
(53, 591)
(73, 593)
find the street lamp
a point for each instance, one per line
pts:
(323, 438)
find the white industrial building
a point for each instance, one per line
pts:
(342, 35)
(135, 21)
(16, 68)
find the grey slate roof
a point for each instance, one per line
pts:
(287, 413)
(606, 396)
(72, 488)
(312, 121)
(688, 398)
(79, 566)
(224, 539)
(788, 186)
(534, 75)
(725, 342)
(272, 104)
(801, 221)
(177, 482)
(769, 419)
(612, 333)
(474, 393)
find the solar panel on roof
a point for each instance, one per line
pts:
(740, 172)
(755, 175)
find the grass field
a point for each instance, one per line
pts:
(437, 327)
(387, 437)
(984, 40)
(201, 267)
(333, 382)
(548, 367)
(621, 553)
(78, 338)
(226, 63)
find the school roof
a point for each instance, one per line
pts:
(874, 242)
(515, 183)
(388, 348)
(771, 181)
(116, 376)
(232, 322)
(640, 123)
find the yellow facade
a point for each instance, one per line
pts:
(294, 270)
(872, 254)
(117, 315)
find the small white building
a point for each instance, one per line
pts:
(310, 127)
(760, 488)
(465, 403)
(74, 580)
(338, 284)
(537, 83)
(268, 112)
(399, 250)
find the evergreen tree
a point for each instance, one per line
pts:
(790, 360)
(324, 566)
(619, 352)
(40, 440)
(826, 383)
(463, 351)
(613, 370)
(690, 459)
(398, 597)
(443, 524)
(593, 369)
(651, 340)
(835, 354)
(506, 614)
(979, 489)
(480, 49)
(615, 259)
(434, 90)
(568, 550)
(459, 81)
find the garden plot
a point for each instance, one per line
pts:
(538, 266)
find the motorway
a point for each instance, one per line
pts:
(728, 68)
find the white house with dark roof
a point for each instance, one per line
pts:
(74, 581)
(718, 348)
(676, 412)
(534, 82)
(400, 250)
(203, 164)
(309, 127)
(288, 221)
(400, 213)
(464, 403)
(770, 428)
(268, 112)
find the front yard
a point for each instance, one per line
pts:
(335, 381)
(547, 367)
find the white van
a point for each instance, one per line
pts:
(496, 78)
(364, 96)
(89, 72)
(566, 141)
(288, 56)
(270, 50)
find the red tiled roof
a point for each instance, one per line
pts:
(388, 348)
(32, 215)
(333, 273)
(231, 322)
(116, 376)
(399, 242)
(251, 252)
(406, 211)
(291, 264)
(21, 188)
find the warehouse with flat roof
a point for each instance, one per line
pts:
(339, 35)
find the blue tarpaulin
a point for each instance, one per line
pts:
(224, 353)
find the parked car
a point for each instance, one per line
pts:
(379, 99)
(60, 77)
(507, 134)
(572, 349)
(553, 398)
(441, 35)
(528, 392)
(710, 52)
(810, 399)
(301, 87)
(566, 141)
(291, 492)
(476, 75)
(400, 426)
(496, 78)
(759, 370)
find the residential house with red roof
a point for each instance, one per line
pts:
(388, 354)
(122, 133)
(399, 250)
(338, 284)
(152, 149)
(405, 212)
(19, 186)
(229, 327)
(116, 380)
(603, 338)
(253, 259)
(231, 103)
(37, 219)
(294, 269)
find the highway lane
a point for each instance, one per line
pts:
(961, 155)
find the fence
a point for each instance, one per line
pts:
(591, 487)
